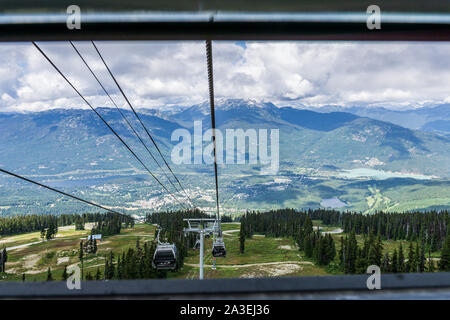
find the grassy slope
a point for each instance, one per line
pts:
(263, 257)
(35, 259)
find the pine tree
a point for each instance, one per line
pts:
(331, 248)
(106, 271)
(361, 262)
(124, 266)
(49, 274)
(411, 263)
(80, 256)
(42, 234)
(119, 271)
(342, 252)
(109, 272)
(241, 242)
(308, 246)
(98, 274)
(386, 264)
(79, 224)
(421, 257)
(322, 251)
(401, 259)
(3, 260)
(444, 263)
(352, 253)
(431, 267)
(375, 252)
(65, 275)
(434, 243)
(394, 265)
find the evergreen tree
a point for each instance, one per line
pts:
(308, 246)
(411, 263)
(375, 252)
(444, 263)
(361, 262)
(42, 234)
(241, 242)
(49, 274)
(394, 265)
(3, 260)
(79, 224)
(65, 275)
(106, 271)
(401, 259)
(109, 272)
(421, 257)
(80, 256)
(331, 254)
(434, 243)
(342, 252)
(119, 269)
(321, 252)
(98, 274)
(352, 253)
(431, 267)
(386, 264)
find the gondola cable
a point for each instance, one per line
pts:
(218, 249)
(62, 192)
(106, 123)
(123, 115)
(141, 122)
(213, 117)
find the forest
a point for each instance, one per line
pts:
(426, 233)
(35, 222)
(396, 242)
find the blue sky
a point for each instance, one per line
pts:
(162, 74)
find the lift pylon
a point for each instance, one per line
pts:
(201, 226)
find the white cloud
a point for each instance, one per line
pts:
(174, 73)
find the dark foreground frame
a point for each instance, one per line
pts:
(393, 286)
(229, 26)
(225, 26)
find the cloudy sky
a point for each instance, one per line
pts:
(163, 74)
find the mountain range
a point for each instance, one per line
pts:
(363, 159)
(432, 119)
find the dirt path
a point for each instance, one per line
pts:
(134, 235)
(23, 245)
(228, 232)
(251, 264)
(336, 231)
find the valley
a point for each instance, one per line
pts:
(365, 164)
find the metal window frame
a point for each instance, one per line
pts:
(225, 26)
(393, 286)
(233, 26)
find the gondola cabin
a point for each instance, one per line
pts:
(197, 244)
(165, 257)
(219, 249)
